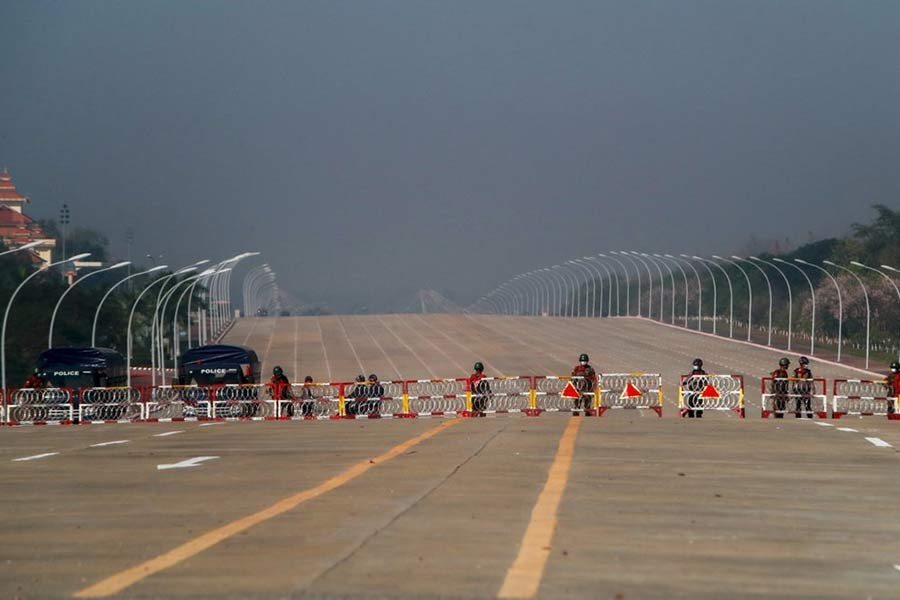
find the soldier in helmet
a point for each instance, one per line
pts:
(893, 381)
(695, 384)
(357, 396)
(481, 390)
(803, 388)
(780, 387)
(281, 390)
(35, 381)
(584, 378)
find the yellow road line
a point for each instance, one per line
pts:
(524, 576)
(118, 582)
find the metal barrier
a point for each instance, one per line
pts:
(109, 405)
(497, 395)
(554, 394)
(863, 397)
(31, 406)
(642, 391)
(373, 400)
(791, 395)
(178, 403)
(437, 397)
(711, 392)
(254, 401)
(310, 401)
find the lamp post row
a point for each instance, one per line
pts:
(218, 292)
(558, 289)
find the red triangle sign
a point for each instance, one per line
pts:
(570, 391)
(631, 391)
(709, 391)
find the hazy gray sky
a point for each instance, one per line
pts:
(371, 149)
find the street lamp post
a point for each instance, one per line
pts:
(588, 281)
(840, 301)
(715, 292)
(649, 281)
(27, 246)
(70, 288)
(627, 285)
(110, 291)
(597, 276)
(3, 387)
(730, 294)
(665, 259)
(787, 284)
(662, 288)
(749, 294)
(768, 285)
(128, 343)
(690, 265)
(882, 273)
(636, 270)
(865, 295)
(812, 294)
(610, 273)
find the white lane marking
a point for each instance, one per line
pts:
(821, 424)
(186, 464)
(897, 567)
(35, 457)
(878, 442)
(113, 443)
(210, 424)
(168, 433)
(847, 429)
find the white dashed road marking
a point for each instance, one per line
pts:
(209, 424)
(113, 443)
(35, 457)
(847, 429)
(186, 464)
(821, 424)
(878, 442)
(167, 433)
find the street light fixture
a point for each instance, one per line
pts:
(6, 315)
(27, 246)
(71, 287)
(865, 295)
(840, 301)
(812, 293)
(110, 291)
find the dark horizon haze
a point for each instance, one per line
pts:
(373, 149)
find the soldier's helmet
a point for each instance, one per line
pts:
(783, 362)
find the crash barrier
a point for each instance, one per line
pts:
(530, 395)
(40, 406)
(863, 397)
(792, 395)
(711, 392)
(630, 390)
(564, 394)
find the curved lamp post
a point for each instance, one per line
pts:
(70, 288)
(768, 284)
(627, 285)
(812, 294)
(749, 294)
(27, 246)
(840, 301)
(110, 291)
(865, 295)
(610, 273)
(9, 305)
(787, 284)
(715, 292)
(636, 270)
(667, 258)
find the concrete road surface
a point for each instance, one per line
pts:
(623, 506)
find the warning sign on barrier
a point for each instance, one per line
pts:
(570, 392)
(642, 391)
(563, 393)
(711, 392)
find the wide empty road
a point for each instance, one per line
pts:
(623, 506)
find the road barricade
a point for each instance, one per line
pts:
(564, 394)
(711, 392)
(437, 397)
(166, 403)
(499, 395)
(309, 401)
(109, 405)
(640, 391)
(792, 395)
(44, 406)
(863, 397)
(252, 401)
(372, 400)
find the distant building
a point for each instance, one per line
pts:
(17, 228)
